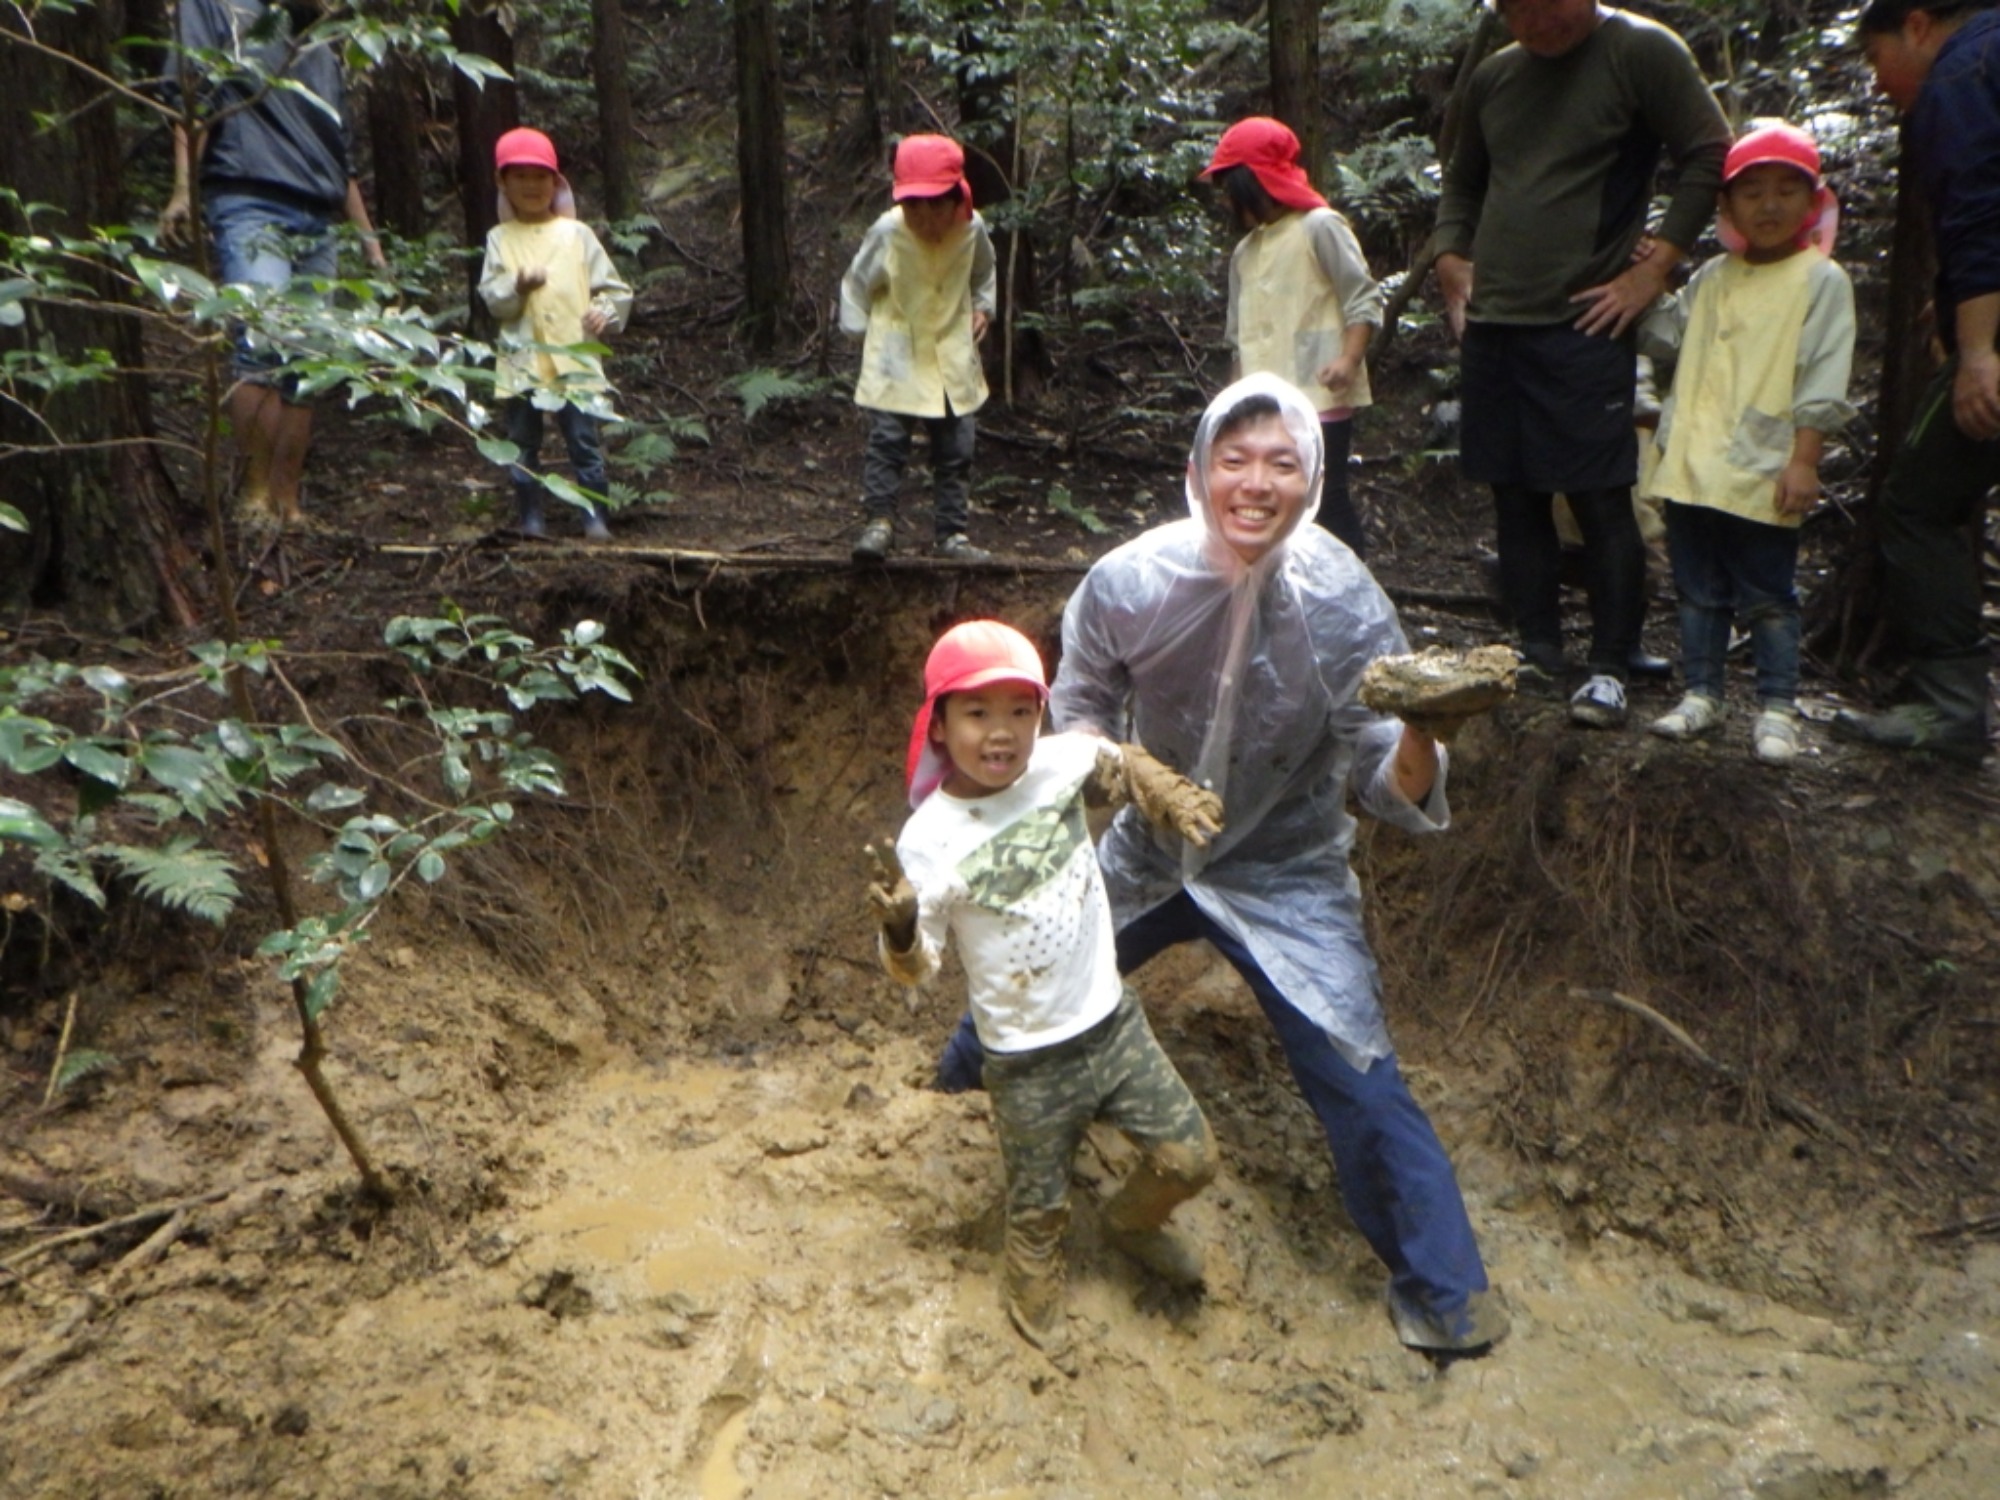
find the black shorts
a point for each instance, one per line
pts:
(1547, 407)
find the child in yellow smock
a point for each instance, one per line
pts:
(1302, 303)
(1765, 341)
(550, 285)
(922, 289)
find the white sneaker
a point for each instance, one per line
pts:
(1599, 703)
(1697, 713)
(1776, 737)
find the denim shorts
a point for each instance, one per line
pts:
(265, 241)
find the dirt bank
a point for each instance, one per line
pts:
(679, 1221)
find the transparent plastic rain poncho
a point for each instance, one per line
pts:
(1243, 676)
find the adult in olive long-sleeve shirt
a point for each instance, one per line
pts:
(1542, 204)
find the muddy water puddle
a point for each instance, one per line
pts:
(777, 1281)
(793, 1297)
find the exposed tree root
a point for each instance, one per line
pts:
(1787, 1104)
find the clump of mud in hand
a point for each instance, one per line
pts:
(1439, 688)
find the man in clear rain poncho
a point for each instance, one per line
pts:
(1231, 646)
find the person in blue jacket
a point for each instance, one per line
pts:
(1939, 62)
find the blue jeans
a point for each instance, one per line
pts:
(1394, 1177)
(264, 242)
(580, 436)
(1730, 567)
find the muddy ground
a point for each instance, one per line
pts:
(679, 1219)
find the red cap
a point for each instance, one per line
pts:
(973, 655)
(1777, 142)
(1783, 145)
(929, 166)
(1270, 150)
(524, 148)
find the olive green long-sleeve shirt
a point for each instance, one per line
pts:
(1548, 189)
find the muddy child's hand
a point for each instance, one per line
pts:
(893, 897)
(595, 322)
(1169, 800)
(530, 280)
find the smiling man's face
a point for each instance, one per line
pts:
(1257, 485)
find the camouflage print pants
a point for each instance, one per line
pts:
(1044, 1100)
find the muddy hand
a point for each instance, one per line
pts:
(1441, 727)
(893, 897)
(1169, 800)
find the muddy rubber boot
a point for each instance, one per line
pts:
(1036, 1284)
(1135, 1216)
(1166, 1254)
(595, 529)
(528, 517)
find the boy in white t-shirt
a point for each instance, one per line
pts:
(997, 855)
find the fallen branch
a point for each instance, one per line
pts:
(1789, 1105)
(62, 1051)
(65, 1340)
(109, 1226)
(148, 1252)
(49, 1192)
(1977, 1228)
(60, 1343)
(799, 562)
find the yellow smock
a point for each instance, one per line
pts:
(915, 302)
(1729, 429)
(580, 277)
(1287, 315)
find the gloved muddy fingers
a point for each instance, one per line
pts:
(1168, 799)
(892, 897)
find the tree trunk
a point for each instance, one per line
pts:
(874, 23)
(102, 547)
(394, 130)
(608, 51)
(1295, 75)
(986, 99)
(1486, 37)
(760, 166)
(484, 115)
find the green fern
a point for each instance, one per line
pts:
(179, 875)
(760, 388)
(81, 1064)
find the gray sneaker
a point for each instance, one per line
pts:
(873, 543)
(1915, 726)
(959, 548)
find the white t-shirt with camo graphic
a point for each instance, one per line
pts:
(1013, 879)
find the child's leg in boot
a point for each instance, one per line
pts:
(1036, 1279)
(1152, 1104)
(524, 431)
(1043, 1101)
(882, 466)
(586, 459)
(952, 439)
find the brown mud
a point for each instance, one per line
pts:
(678, 1218)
